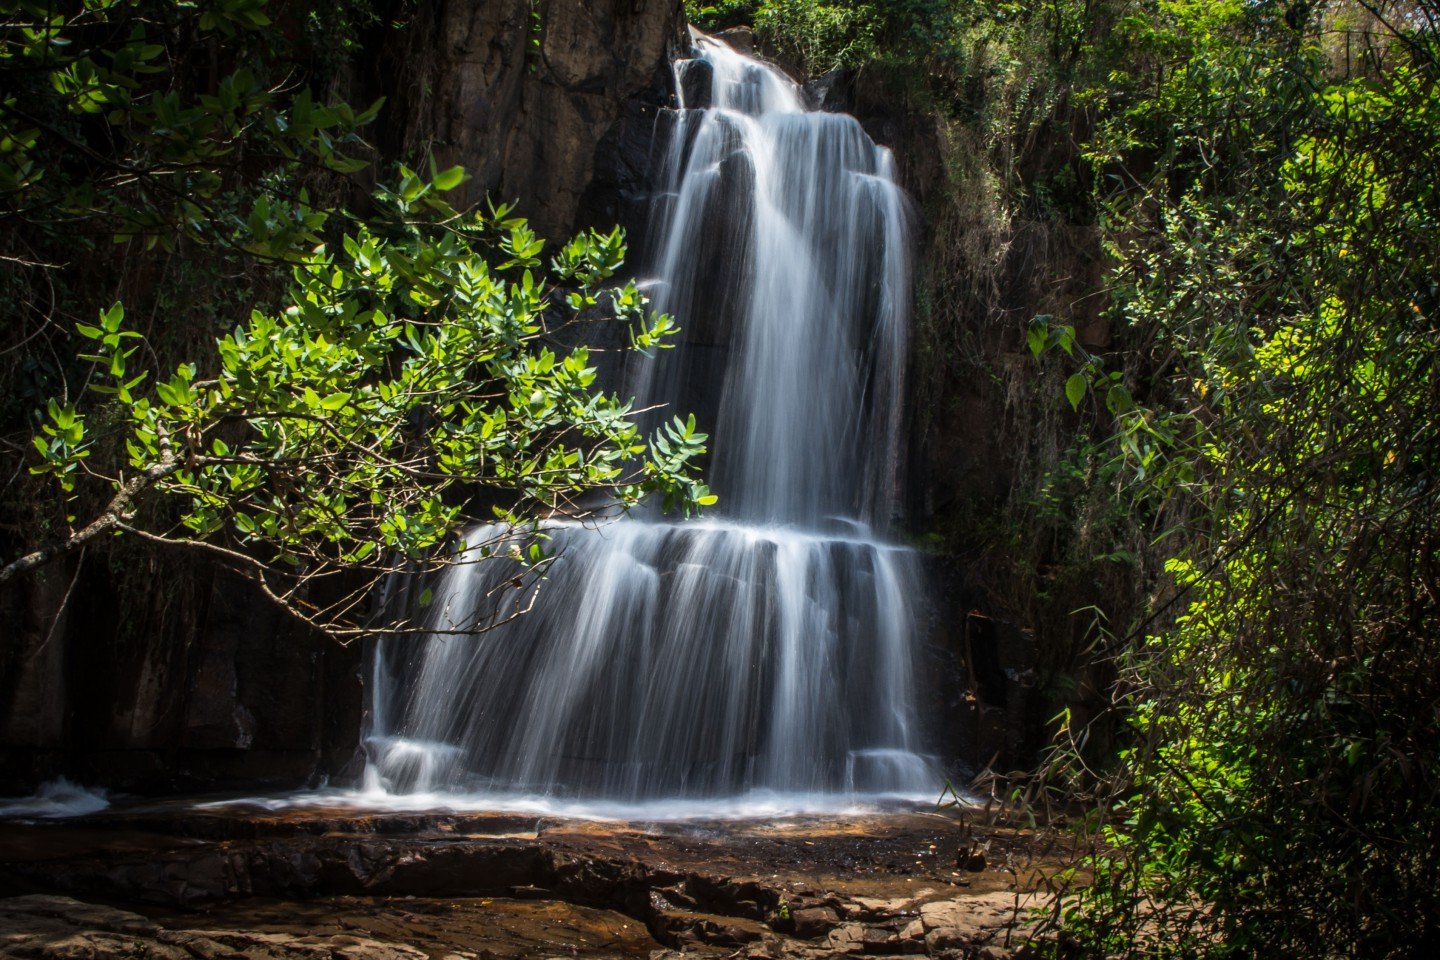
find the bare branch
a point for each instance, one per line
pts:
(119, 507)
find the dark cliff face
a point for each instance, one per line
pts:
(148, 672)
(522, 94)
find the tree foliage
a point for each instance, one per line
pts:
(379, 382)
(109, 130)
(1274, 230)
(404, 380)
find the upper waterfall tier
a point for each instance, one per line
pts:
(783, 235)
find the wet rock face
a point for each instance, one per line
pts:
(523, 94)
(295, 886)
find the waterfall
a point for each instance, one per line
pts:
(767, 650)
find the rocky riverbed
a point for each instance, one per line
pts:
(179, 883)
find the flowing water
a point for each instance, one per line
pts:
(763, 657)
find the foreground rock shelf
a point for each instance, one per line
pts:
(176, 882)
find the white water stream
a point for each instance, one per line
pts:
(760, 660)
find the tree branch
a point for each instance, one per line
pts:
(115, 511)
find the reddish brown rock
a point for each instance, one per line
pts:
(814, 922)
(59, 928)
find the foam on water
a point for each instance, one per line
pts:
(757, 804)
(55, 799)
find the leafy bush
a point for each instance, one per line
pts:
(822, 36)
(1274, 244)
(720, 14)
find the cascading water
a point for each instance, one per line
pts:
(767, 650)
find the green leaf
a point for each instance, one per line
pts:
(1075, 389)
(1038, 335)
(450, 179)
(1117, 399)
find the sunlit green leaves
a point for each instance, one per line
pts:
(404, 376)
(1273, 271)
(62, 444)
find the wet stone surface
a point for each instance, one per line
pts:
(171, 883)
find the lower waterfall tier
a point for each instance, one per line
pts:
(665, 661)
